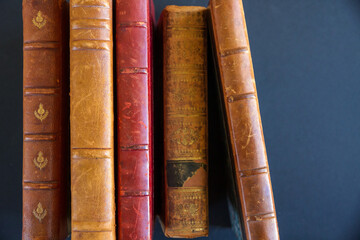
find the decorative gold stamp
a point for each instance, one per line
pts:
(39, 212)
(40, 162)
(185, 136)
(39, 21)
(188, 209)
(41, 113)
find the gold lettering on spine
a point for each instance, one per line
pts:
(39, 212)
(40, 162)
(41, 113)
(39, 21)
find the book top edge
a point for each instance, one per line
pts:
(174, 8)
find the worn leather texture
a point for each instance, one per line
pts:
(92, 120)
(134, 31)
(241, 110)
(184, 32)
(45, 84)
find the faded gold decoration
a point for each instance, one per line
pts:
(187, 209)
(39, 21)
(39, 212)
(41, 113)
(189, 95)
(40, 161)
(185, 136)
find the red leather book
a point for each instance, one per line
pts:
(45, 152)
(134, 27)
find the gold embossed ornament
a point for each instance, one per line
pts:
(40, 161)
(39, 21)
(185, 136)
(39, 212)
(41, 113)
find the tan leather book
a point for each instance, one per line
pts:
(242, 118)
(184, 32)
(92, 120)
(45, 117)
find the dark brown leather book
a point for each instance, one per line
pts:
(134, 32)
(242, 118)
(92, 120)
(45, 152)
(184, 32)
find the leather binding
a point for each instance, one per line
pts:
(185, 121)
(243, 122)
(92, 120)
(134, 27)
(45, 82)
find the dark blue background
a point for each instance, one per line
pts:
(306, 57)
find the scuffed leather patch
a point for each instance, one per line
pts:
(179, 172)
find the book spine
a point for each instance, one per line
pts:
(244, 126)
(134, 112)
(185, 121)
(44, 120)
(92, 120)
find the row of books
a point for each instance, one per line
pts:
(68, 49)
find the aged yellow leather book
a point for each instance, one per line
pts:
(92, 120)
(184, 36)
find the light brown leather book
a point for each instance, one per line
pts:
(184, 32)
(92, 120)
(242, 118)
(45, 151)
